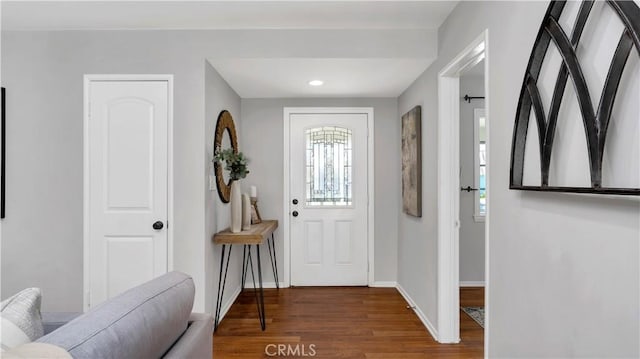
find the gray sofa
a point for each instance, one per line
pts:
(152, 320)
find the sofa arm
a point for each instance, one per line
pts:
(197, 341)
(54, 320)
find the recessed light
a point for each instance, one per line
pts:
(316, 82)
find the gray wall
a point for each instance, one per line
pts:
(262, 127)
(417, 261)
(471, 232)
(564, 273)
(218, 96)
(42, 70)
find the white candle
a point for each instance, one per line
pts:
(254, 191)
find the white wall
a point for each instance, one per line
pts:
(471, 232)
(262, 127)
(564, 269)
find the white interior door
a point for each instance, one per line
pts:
(127, 159)
(328, 199)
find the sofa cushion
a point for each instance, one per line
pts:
(36, 350)
(21, 320)
(142, 322)
(54, 320)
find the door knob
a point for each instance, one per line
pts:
(158, 225)
(295, 201)
(294, 213)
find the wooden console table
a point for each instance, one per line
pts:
(257, 235)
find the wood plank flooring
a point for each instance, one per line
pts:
(340, 322)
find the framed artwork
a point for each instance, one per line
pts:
(255, 214)
(412, 162)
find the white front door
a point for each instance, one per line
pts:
(127, 163)
(328, 198)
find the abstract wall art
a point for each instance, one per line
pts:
(412, 162)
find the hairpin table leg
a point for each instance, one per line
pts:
(221, 284)
(274, 259)
(257, 289)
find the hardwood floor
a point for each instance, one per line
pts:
(343, 322)
(471, 333)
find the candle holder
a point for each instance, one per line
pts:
(255, 214)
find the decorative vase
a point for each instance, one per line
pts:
(246, 212)
(236, 207)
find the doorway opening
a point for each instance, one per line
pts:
(450, 122)
(473, 197)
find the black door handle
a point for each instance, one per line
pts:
(158, 225)
(295, 201)
(294, 213)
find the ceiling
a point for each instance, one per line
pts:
(385, 72)
(476, 71)
(260, 78)
(238, 14)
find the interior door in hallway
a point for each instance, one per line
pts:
(127, 164)
(328, 199)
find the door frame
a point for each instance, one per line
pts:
(448, 241)
(86, 226)
(288, 111)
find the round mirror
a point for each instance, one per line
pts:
(225, 137)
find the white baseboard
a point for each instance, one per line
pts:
(378, 284)
(430, 327)
(470, 283)
(226, 306)
(268, 285)
(381, 284)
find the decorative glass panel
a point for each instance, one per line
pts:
(482, 189)
(481, 162)
(329, 159)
